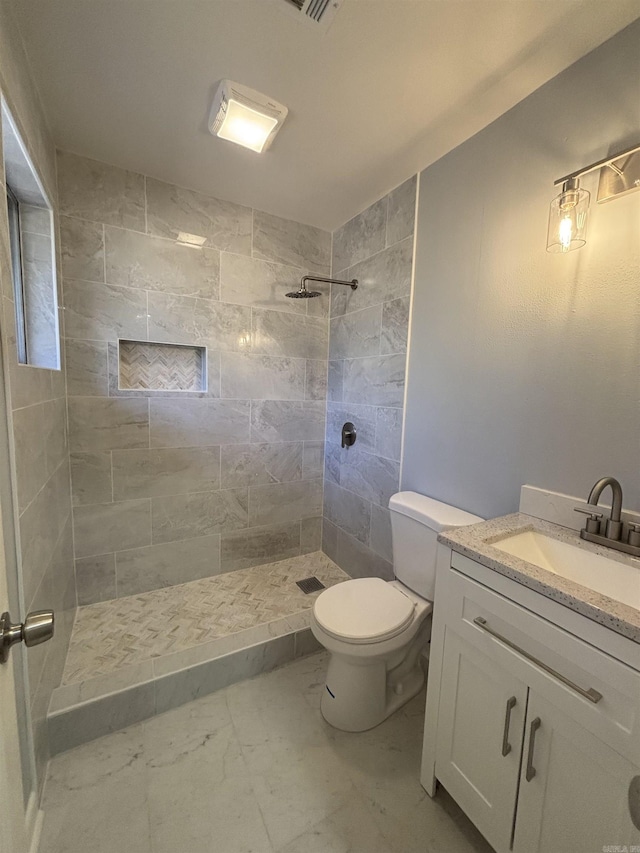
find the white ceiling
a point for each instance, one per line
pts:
(392, 86)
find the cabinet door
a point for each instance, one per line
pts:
(480, 731)
(574, 789)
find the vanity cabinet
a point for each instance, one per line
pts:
(532, 729)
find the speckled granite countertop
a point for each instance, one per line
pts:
(476, 541)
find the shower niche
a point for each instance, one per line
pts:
(150, 366)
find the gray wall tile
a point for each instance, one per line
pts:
(170, 471)
(361, 236)
(310, 535)
(159, 566)
(261, 284)
(357, 334)
(312, 459)
(103, 528)
(362, 417)
(105, 424)
(378, 380)
(315, 383)
(359, 561)
(81, 249)
(279, 333)
(348, 511)
(89, 189)
(401, 213)
(334, 389)
(104, 312)
(172, 210)
(275, 420)
(395, 326)
(261, 377)
(91, 477)
(259, 545)
(153, 263)
(389, 432)
(277, 239)
(86, 366)
(257, 464)
(380, 540)
(281, 502)
(330, 539)
(372, 477)
(383, 277)
(193, 423)
(96, 578)
(186, 320)
(200, 514)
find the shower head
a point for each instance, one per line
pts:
(303, 293)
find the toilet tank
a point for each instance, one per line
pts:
(416, 521)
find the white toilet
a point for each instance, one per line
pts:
(375, 629)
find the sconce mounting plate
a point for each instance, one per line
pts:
(619, 178)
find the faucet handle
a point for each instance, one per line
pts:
(592, 524)
(633, 536)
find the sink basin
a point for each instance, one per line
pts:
(613, 578)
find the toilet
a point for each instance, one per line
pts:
(376, 630)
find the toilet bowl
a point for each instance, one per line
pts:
(376, 630)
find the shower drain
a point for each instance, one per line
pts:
(311, 584)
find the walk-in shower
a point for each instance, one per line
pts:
(303, 293)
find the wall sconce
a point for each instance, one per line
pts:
(619, 175)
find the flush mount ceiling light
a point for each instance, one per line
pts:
(242, 115)
(619, 175)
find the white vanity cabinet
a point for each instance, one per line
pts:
(532, 724)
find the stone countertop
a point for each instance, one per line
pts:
(476, 541)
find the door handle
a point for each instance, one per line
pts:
(506, 746)
(37, 628)
(531, 770)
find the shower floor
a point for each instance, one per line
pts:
(114, 635)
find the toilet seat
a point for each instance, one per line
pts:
(365, 610)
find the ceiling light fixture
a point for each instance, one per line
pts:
(242, 115)
(567, 228)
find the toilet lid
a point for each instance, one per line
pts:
(363, 609)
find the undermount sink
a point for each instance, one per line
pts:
(613, 578)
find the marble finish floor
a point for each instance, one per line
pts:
(112, 635)
(253, 768)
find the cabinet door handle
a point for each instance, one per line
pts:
(531, 770)
(506, 746)
(590, 694)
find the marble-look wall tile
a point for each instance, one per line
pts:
(96, 578)
(260, 284)
(174, 210)
(389, 432)
(103, 312)
(395, 326)
(401, 213)
(288, 242)
(261, 377)
(281, 502)
(378, 380)
(258, 464)
(348, 511)
(310, 535)
(312, 459)
(170, 471)
(30, 452)
(360, 237)
(357, 334)
(35, 220)
(315, 383)
(380, 539)
(86, 367)
(154, 263)
(358, 560)
(334, 384)
(158, 566)
(91, 478)
(187, 320)
(40, 308)
(103, 528)
(277, 420)
(383, 277)
(372, 477)
(259, 545)
(362, 417)
(88, 189)
(199, 514)
(196, 423)
(330, 539)
(81, 249)
(279, 333)
(107, 424)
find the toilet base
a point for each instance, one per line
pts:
(360, 694)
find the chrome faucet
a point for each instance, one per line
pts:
(613, 534)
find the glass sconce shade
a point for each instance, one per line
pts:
(568, 218)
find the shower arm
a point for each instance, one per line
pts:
(353, 284)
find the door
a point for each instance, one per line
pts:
(574, 789)
(480, 729)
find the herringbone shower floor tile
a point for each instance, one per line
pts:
(114, 634)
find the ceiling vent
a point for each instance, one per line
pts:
(315, 11)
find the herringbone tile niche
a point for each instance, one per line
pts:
(161, 367)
